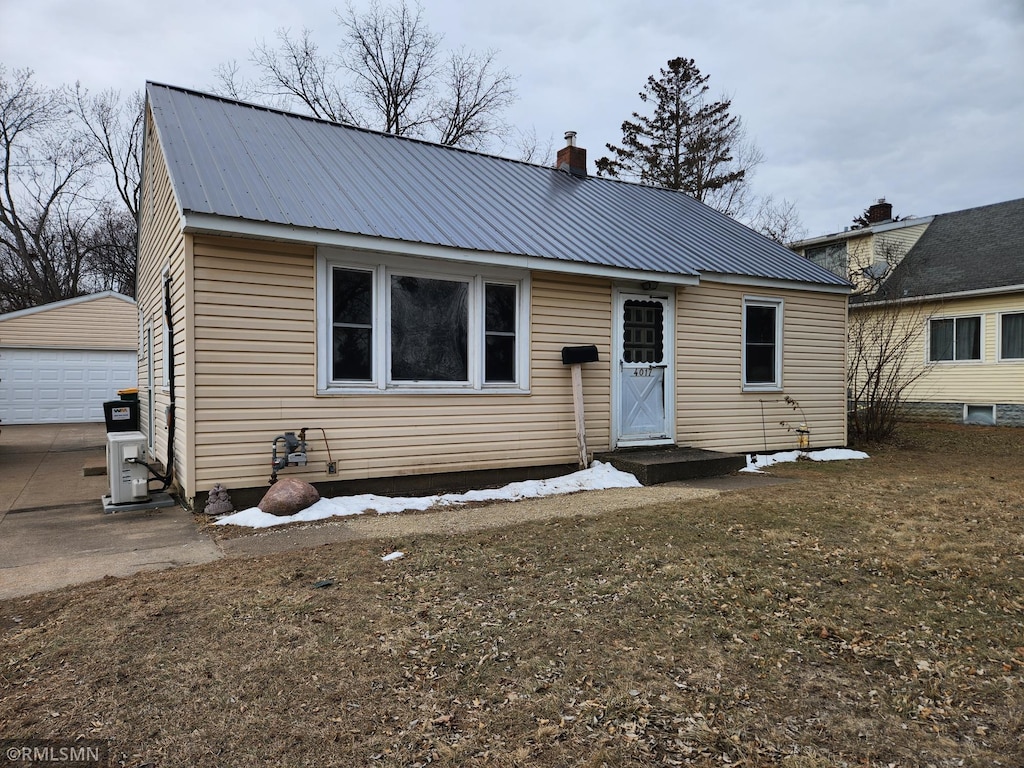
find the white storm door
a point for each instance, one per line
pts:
(644, 369)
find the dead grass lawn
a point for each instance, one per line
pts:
(870, 615)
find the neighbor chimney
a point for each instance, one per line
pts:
(879, 212)
(572, 158)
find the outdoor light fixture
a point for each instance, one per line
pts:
(649, 286)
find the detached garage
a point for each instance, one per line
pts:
(61, 361)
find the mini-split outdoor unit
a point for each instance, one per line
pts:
(129, 482)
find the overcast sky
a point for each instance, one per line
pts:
(917, 101)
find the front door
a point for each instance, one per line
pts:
(644, 346)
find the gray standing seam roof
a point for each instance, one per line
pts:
(242, 161)
(970, 250)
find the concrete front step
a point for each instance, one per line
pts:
(663, 465)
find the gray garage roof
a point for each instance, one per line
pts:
(246, 162)
(976, 249)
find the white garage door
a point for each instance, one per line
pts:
(54, 386)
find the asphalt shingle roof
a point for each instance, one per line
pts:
(970, 250)
(242, 161)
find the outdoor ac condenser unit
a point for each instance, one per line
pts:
(129, 482)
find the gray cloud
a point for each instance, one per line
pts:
(920, 101)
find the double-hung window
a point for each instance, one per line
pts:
(1011, 336)
(400, 326)
(954, 339)
(762, 344)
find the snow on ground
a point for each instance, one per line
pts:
(756, 462)
(597, 477)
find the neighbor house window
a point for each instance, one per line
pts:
(831, 256)
(762, 343)
(1011, 336)
(397, 326)
(955, 339)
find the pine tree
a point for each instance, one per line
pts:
(688, 143)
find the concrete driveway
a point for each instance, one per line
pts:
(53, 530)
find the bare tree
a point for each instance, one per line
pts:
(530, 148)
(44, 193)
(296, 71)
(116, 129)
(390, 73)
(778, 220)
(737, 199)
(393, 58)
(110, 245)
(475, 90)
(69, 193)
(884, 340)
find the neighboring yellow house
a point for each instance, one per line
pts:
(60, 362)
(408, 304)
(960, 278)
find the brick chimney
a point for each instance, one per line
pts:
(572, 158)
(879, 212)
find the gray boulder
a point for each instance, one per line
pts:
(288, 496)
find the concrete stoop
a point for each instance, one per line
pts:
(664, 465)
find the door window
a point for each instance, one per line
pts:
(643, 324)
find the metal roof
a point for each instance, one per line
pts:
(247, 162)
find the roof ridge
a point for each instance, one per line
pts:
(350, 126)
(361, 184)
(1016, 200)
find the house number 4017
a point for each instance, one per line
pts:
(643, 371)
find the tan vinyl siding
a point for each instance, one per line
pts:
(106, 322)
(886, 247)
(714, 412)
(255, 378)
(898, 241)
(245, 369)
(988, 381)
(161, 247)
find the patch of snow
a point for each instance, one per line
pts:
(756, 462)
(393, 556)
(598, 476)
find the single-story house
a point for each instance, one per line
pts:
(60, 362)
(959, 277)
(408, 304)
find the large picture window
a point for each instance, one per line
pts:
(762, 344)
(1011, 336)
(429, 329)
(953, 339)
(397, 326)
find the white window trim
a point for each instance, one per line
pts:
(999, 337)
(382, 267)
(779, 305)
(981, 333)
